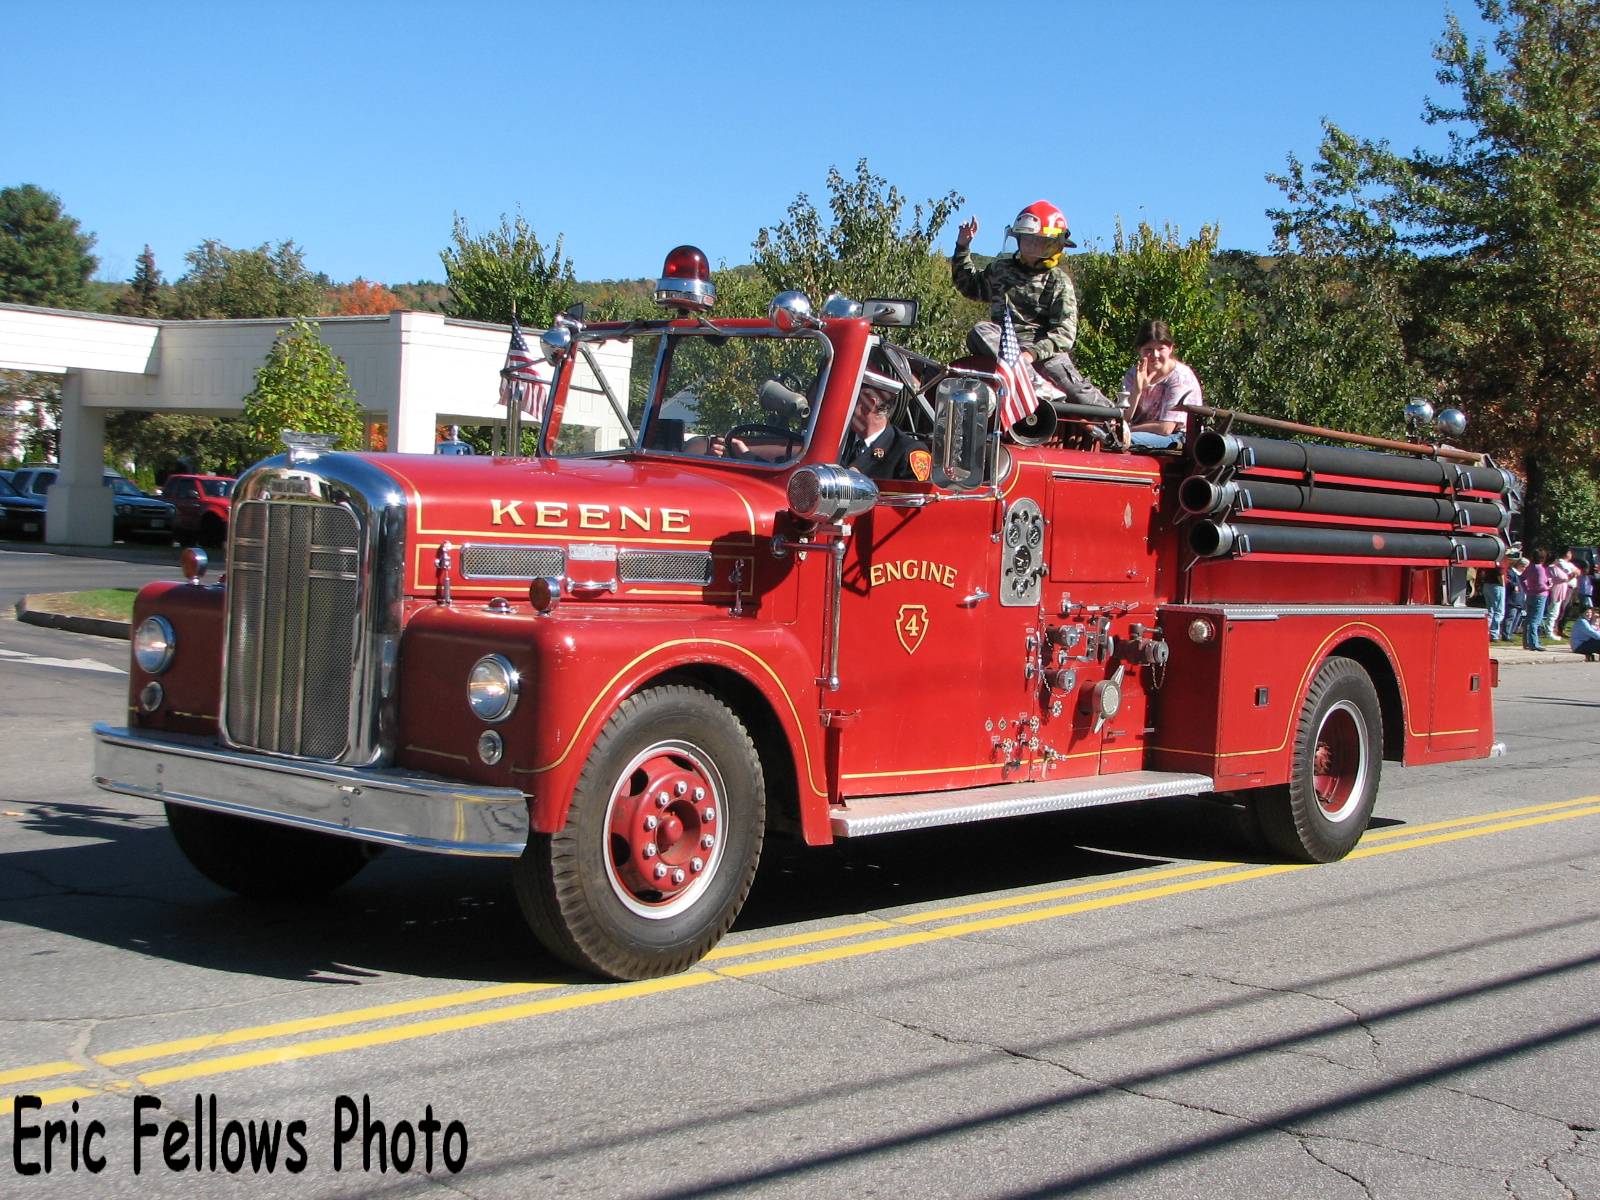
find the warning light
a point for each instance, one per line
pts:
(685, 282)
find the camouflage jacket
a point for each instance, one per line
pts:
(1044, 304)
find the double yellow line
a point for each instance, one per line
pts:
(758, 957)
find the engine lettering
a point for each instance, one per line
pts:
(913, 569)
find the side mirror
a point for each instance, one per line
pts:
(890, 314)
(961, 432)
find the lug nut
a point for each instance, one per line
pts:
(699, 794)
(650, 821)
(678, 876)
(661, 871)
(662, 800)
(680, 788)
(650, 850)
(697, 864)
(709, 815)
(707, 842)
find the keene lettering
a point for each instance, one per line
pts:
(557, 514)
(913, 569)
(77, 1144)
(506, 509)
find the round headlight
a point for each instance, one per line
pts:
(154, 644)
(492, 688)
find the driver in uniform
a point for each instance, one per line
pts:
(875, 447)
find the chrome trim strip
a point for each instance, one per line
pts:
(390, 807)
(1263, 612)
(890, 814)
(1143, 481)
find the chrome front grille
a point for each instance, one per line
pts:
(294, 627)
(664, 566)
(513, 562)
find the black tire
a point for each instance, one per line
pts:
(265, 861)
(1321, 813)
(212, 533)
(591, 892)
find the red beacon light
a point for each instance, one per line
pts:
(685, 282)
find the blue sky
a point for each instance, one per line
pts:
(358, 129)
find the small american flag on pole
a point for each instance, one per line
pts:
(521, 380)
(1020, 399)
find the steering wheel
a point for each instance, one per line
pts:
(791, 439)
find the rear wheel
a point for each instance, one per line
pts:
(261, 860)
(212, 532)
(661, 841)
(1321, 813)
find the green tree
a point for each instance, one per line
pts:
(269, 281)
(302, 386)
(30, 412)
(44, 256)
(1320, 339)
(869, 247)
(158, 440)
(143, 297)
(1155, 275)
(507, 268)
(1507, 300)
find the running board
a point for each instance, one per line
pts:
(923, 810)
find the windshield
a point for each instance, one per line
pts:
(6, 489)
(748, 395)
(123, 488)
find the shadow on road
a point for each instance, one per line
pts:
(437, 917)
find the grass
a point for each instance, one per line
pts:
(109, 604)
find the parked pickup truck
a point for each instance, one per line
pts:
(203, 503)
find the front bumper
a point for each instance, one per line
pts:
(393, 808)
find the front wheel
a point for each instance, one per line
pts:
(1321, 813)
(661, 840)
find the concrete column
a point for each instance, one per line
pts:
(415, 412)
(78, 510)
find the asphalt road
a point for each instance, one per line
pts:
(1121, 1002)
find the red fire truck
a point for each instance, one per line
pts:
(625, 669)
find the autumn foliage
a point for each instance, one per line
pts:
(362, 298)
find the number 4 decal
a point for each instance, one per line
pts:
(911, 624)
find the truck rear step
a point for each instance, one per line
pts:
(922, 810)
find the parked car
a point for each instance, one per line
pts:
(20, 516)
(135, 515)
(203, 503)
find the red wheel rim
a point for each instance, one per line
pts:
(664, 834)
(1339, 761)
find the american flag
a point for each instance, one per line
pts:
(522, 381)
(1020, 400)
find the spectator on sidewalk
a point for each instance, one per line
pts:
(1563, 574)
(1536, 596)
(1514, 600)
(1585, 637)
(1491, 583)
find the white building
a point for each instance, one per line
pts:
(411, 371)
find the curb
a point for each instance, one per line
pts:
(97, 626)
